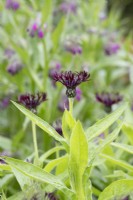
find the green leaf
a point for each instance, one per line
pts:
(97, 150)
(51, 151)
(117, 190)
(5, 167)
(52, 164)
(68, 123)
(128, 130)
(46, 10)
(17, 196)
(41, 123)
(56, 35)
(115, 161)
(36, 173)
(100, 126)
(5, 143)
(78, 158)
(125, 147)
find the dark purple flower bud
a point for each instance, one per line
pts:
(78, 94)
(71, 80)
(63, 104)
(111, 48)
(40, 34)
(9, 53)
(108, 99)
(68, 7)
(31, 101)
(14, 68)
(58, 127)
(51, 196)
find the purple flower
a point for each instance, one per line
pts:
(125, 198)
(78, 94)
(4, 103)
(50, 196)
(57, 126)
(31, 101)
(71, 80)
(40, 34)
(9, 53)
(73, 49)
(14, 67)
(63, 103)
(111, 48)
(11, 4)
(56, 66)
(108, 99)
(68, 7)
(35, 30)
(4, 153)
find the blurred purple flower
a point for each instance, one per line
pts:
(73, 48)
(78, 94)
(68, 7)
(14, 67)
(11, 4)
(4, 103)
(63, 103)
(35, 30)
(40, 34)
(111, 48)
(108, 99)
(58, 127)
(125, 198)
(9, 53)
(56, 66)
(31, 101)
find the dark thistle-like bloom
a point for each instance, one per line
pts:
(31, 101)
(108, 99)
(71, 80)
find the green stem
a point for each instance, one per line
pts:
(46, 66)
(36, 158)
(71, 105)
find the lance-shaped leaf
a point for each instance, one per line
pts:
(41, 123)
(100, 126)
(78, 158)
(36, 173)
(97, 150)
(125, 147)
(117, 190)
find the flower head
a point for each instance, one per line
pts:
(11, 4)
(108, 99)
(35, 30)
(71, 80)
(73, 48)
(14, 67)
(68, 7)
(58, 127)
(31, 101)
(111, 48)
(4, 103)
